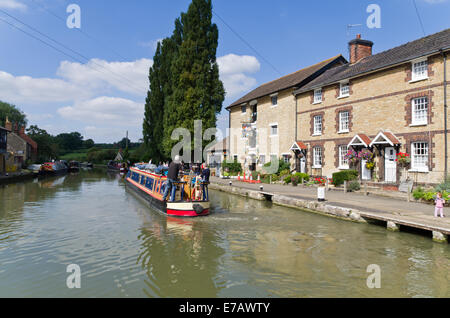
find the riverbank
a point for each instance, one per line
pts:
(17, 177)
(396, 214)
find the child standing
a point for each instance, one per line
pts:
(439, 205)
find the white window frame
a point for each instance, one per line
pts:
(420, 102)
(344, 127)
(271, 100)
(271, 127)
(318, 97)
(346, 91)
(286, 156)
(317, 157)
(419, 70)
(343, 162)
(419, 161)
(318, 126)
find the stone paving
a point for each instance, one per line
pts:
(415, 214)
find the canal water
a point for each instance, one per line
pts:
(245, 248)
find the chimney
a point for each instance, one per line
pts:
(359, 49)
(8, 124)
(22, 130)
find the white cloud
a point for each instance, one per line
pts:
(232, 69)
(129, 77)
(104, 110)
(26, 89)
(12, 4)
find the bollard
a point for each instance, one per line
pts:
(345, 186)
(365, 189)
(321, 194)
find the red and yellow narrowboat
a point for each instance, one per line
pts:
(184, 199)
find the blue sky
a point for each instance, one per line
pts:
(103, 95)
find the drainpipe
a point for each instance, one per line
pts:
(444, 55)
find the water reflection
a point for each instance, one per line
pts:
(245, 248)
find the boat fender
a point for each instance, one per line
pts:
(198, 208)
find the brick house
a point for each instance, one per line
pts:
(20, 147)
(3, 143)
(390, 102)
(262, 123)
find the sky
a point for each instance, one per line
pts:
(94, 79)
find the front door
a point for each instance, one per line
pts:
(366, 174)
(390, 165)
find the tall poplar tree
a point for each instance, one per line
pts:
(197, 92)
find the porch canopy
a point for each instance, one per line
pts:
(385, 138)
(360, 140)
(298, 146)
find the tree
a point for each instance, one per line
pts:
(124, 143)
(69, 141)
(88, 144)
(160, 77)
(197, 92)
(14, 114)
(47, 147)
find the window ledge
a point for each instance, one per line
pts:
(419, 170)
(316, 103)
(273, 106)
(315, 135)
(343, 131)
(344, 168)
(418, 80)
(418, 125)
(343, 96)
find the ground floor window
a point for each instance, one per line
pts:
(419, 156)
(317, 157)
(286, 158)
(343, 161)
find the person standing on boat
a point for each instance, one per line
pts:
(205, 181)
(172, 176)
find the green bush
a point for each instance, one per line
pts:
(418, 193)
(284, 172)
(354, 186)
(444, 186)
(288, 179)
(232, 166)
(302, 177)
(346, 175)
(295, 181)
(282, 167)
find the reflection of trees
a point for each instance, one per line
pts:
(13, 197)
(180, 258)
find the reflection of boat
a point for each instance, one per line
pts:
(151, 187)
(87, 165)
(74, 166)
(53, 168)
(114, 165)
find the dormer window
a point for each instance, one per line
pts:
(317, 96)
(419, 70)
(344, 89)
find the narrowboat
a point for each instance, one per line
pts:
(185, 199)
(74, 166)
(114, 165)
(53, 168)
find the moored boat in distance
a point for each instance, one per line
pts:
(74, 166)
(53, 168)
(114, 165)
(184, 201)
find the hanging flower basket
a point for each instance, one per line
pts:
(352, 156)
(370, 165)
(403, 159)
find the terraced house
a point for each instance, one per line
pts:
(262, 123)
(390, 102)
